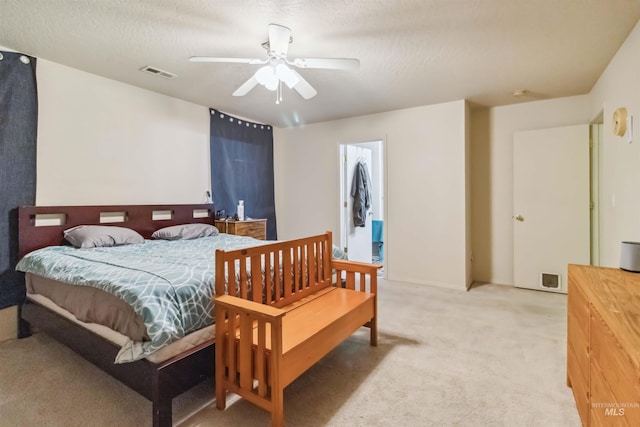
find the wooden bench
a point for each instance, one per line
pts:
(282, 321)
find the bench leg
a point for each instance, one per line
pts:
(221, 394)
(221, 399)
(373, 324)
(373, 330)
(277, 408)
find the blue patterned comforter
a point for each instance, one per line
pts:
(170, 284)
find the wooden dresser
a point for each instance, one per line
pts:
(256, 228)
(603, 345)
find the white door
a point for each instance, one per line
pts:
(550, 205)
(358, 239)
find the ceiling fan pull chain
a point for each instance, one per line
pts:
(279, 92)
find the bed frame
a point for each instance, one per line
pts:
(158, 382)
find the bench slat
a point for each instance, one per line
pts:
(268, 281)
(244, 292)
(261, 359)
(244, 352)
(257, 284)
(278, 278)
(231, 347)
(287, 273)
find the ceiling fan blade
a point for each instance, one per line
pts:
(235, 60)
(246, 87)
(303, 87)
(327, 63)
(279, 39)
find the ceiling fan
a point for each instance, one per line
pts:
(276, 68)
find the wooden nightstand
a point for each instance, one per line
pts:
(256, 228)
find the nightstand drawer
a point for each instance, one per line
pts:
(256, 228)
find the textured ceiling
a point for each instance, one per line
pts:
(412, 52)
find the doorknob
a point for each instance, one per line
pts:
(519, 218)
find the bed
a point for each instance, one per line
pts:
(159, 369)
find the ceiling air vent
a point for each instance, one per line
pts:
(158, 72)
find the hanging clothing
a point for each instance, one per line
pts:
(361, 193)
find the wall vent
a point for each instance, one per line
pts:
(550, 280)
(158, 72)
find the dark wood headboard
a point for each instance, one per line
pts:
(145, 219)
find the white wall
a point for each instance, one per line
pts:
(619, 86)
(105, 142)
(492, 132)
(425, 186)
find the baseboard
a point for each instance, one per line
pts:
(9, 323)
(458, 287)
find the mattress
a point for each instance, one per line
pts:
(168, 284)
(90, 305)
(194, 339)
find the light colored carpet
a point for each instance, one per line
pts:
(493, 356)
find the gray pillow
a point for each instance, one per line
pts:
(93, 236)
(185, 232)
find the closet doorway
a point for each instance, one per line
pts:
(363, 235)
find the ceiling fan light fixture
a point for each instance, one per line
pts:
(265, 74)
(287, 75)
(270, 75)
(272, 84)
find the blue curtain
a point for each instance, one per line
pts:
(242, 168)
(18, 128)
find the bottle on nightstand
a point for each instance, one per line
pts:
(241, 210)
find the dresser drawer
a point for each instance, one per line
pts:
(602, 319)
(579, 346)
(614, 380)
(578, 305)
(606, 408)
(578, 329)
(579, 385)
